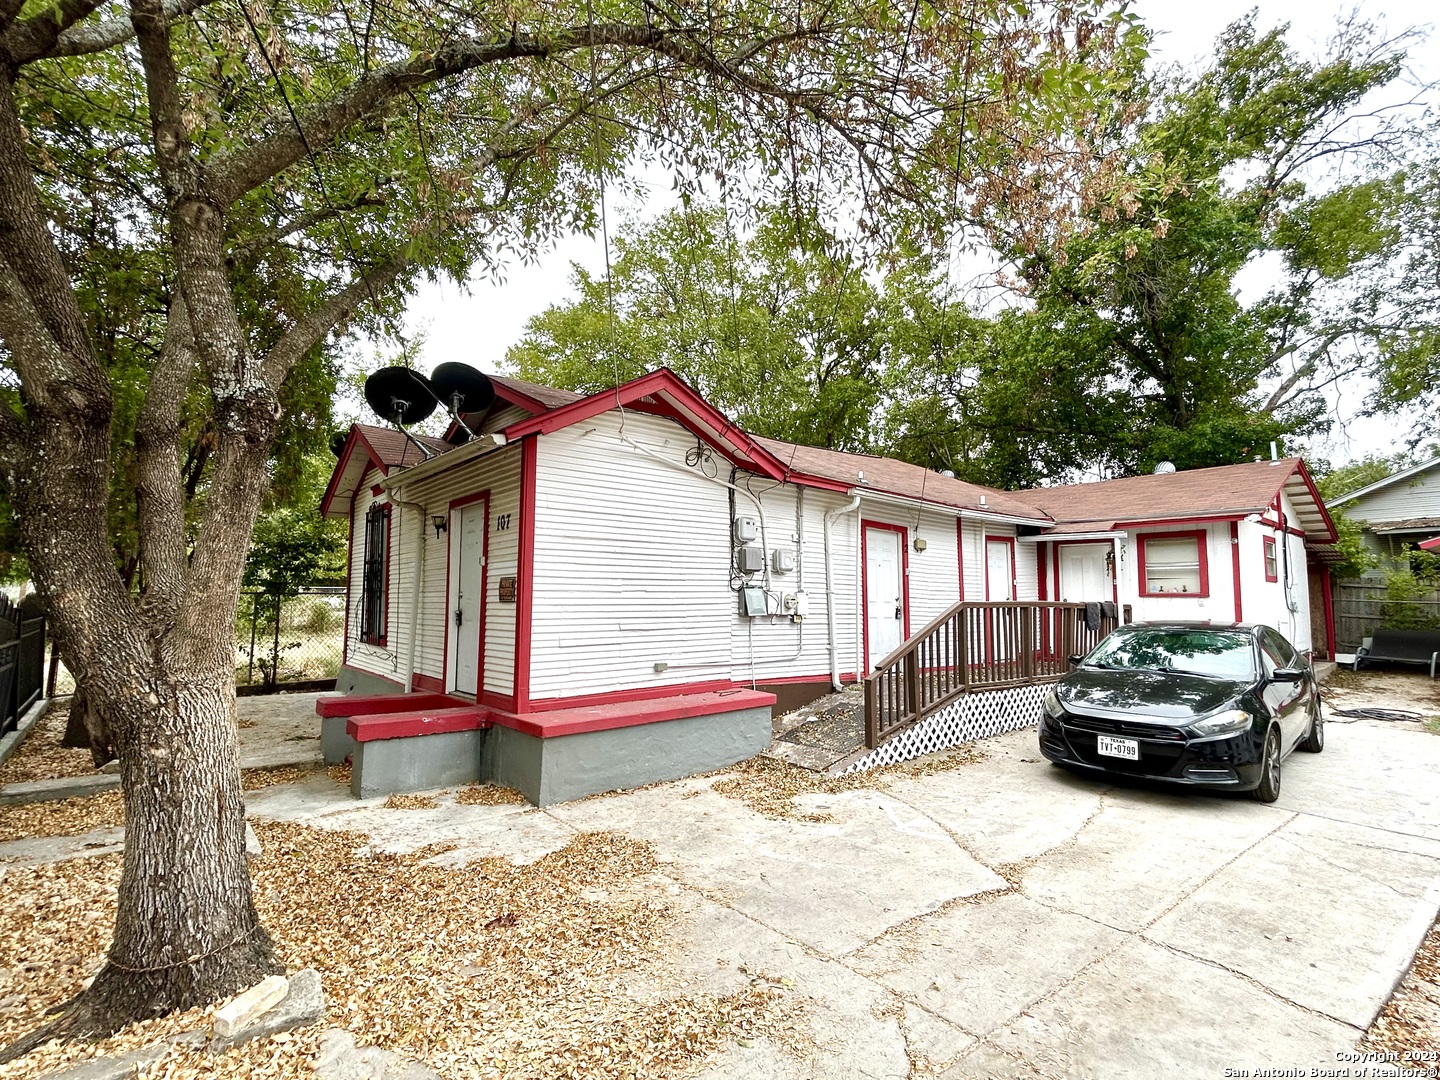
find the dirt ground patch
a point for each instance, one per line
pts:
(41, 757)
(559, 980)
(1404, 691)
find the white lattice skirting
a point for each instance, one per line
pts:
(970, 717)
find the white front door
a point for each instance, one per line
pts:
(884, 594)
(1082, 573)
(999, 570)
(467, 609)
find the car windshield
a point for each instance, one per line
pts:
(1217, 653)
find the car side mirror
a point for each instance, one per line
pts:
(1075, 659)
(1288, 674)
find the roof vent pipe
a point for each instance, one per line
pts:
(1274, 453)
(1164, 468)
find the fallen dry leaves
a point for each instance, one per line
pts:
(770, 786)
(490, 795)
(492, 969)
(63, 817)
(410, 802)
(41, 757)
(1410, 1020)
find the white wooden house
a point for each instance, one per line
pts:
(601, 591)
(1400, 512)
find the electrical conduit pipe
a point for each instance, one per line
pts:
(830, 519)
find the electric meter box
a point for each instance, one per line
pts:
(752, 602)
(750, 559)
(782, 560)
(746, 529)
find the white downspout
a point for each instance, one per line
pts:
(419, 586)
(829, 520)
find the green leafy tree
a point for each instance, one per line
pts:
(1132, 344)
(780, 329)
(265, 178)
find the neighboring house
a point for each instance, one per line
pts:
(1397, 513)
(595, 567)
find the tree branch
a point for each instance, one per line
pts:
(32, 38)
(160, 504)
(84, 40)
(310, 329)
(252, 246)
(242, 170)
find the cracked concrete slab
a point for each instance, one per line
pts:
(1383, 776)
(517, 832)
(992, 808)
(1144, 852)
(1323, 913)
(834, 886)
(1144, 1012)
(977, 965)
(845, 1013)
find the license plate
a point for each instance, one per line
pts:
(1129, 749)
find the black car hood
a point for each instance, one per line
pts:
(1160, 695)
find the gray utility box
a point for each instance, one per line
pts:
(751, 559)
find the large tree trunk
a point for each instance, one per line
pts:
(186, 931)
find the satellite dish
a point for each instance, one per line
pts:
(1165, 468)
(462, 389)
(400, 396)
(338, 441)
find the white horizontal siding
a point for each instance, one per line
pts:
(502, 418)
(631, 562)
(1419, 496)
(500, 473)
(774, 647)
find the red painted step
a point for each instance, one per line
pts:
(407, 724)
(371, 704)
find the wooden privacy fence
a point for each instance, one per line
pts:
(978, 646)
(1360, 610)
(22, 658)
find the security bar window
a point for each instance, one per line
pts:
(374, 585)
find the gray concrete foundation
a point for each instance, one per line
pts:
(556, 770)
(336, 744)
(351, 680)
(416, 763)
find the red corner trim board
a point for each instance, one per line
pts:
(397, 716)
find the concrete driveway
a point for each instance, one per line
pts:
(1007, 919)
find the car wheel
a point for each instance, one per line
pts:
(1268, 790)
(1315, 739)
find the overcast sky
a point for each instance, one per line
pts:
(478, 324)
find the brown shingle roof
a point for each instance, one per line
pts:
(897, 478)
(393, 449)
(545, 395)
(1227, 489)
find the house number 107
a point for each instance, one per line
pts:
(502, 522)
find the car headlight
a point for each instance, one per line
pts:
(1052, 706)
(1232, 722)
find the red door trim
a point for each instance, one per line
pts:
(1235, 568)
(450, 537)
(525, 606)
(960, 553)
(865, 580)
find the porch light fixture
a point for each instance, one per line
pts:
(440, 523)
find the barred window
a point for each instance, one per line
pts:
(374, 584)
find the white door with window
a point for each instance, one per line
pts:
(1083, 578)
(467, 608)
(884, 594)
(999, 570)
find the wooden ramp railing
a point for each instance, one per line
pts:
(977, 646)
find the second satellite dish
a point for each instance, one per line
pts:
(400, 395)
(462, 389)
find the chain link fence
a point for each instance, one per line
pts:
(289, 642)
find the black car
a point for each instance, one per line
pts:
(1197, 704)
